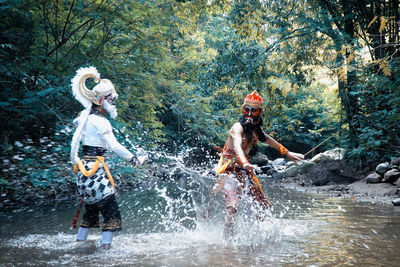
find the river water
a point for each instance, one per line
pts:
(180, 223)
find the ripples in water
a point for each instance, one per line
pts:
(171, 224)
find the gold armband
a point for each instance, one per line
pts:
(283, 150)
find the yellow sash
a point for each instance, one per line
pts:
(221, 167)
(80, 167)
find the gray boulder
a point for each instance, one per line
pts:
(373, 178)
(266, 168)
(333, 154)
(396, 202)
(395, 162)
(259, 159)
(278, 175)
(382, 168)
(331, 172)
(270, 172)
(299, 168)
(320, 157)
(391, 176)
(279, 163)
(290, 164)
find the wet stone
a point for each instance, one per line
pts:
(265, 168)
(391, 176)
(373, 178)
(395, 162)
(270, 172)
(396, 202)
(382, 168)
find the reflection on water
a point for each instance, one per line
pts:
(179, 223)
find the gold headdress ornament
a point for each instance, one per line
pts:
(96, 96)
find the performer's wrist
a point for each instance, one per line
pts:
(138, 161)
(133, 160)
(243, 161)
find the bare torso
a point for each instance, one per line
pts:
(238, 142)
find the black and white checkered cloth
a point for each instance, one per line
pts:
(95, 187)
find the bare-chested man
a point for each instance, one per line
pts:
(236, 174)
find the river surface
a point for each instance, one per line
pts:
(180, 223)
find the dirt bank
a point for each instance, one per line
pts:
(337, 179)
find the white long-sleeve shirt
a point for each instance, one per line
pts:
(98, 132)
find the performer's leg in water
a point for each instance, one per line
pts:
(109, 209)
(112, 220)
(232, 197)
(90, 219)
(106, 238)
(82, 234)
(229, 222)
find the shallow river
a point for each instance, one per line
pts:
(180, 223)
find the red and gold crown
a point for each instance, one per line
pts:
(253, 100)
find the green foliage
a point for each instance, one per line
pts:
(295, 39)
(37, 165)
(47, 41)
(378, 130)
(295, 109)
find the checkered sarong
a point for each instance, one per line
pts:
(95, 187)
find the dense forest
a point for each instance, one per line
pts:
(326, 68)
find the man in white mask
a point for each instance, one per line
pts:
(94, 181)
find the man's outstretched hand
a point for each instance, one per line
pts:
(138, 161)
(141, 160)
(294, 156)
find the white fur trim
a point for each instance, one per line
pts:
(76, 139)
(111, 109)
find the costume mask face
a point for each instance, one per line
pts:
(252, 108)
(251, 114)
(111, 99)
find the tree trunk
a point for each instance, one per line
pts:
(349, 100)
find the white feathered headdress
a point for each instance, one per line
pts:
(85, 96)
(79, 89)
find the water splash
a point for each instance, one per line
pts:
(178, 221)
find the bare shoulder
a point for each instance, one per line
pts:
(237, 128)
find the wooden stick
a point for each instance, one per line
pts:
(321, 143)
(78, 211)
